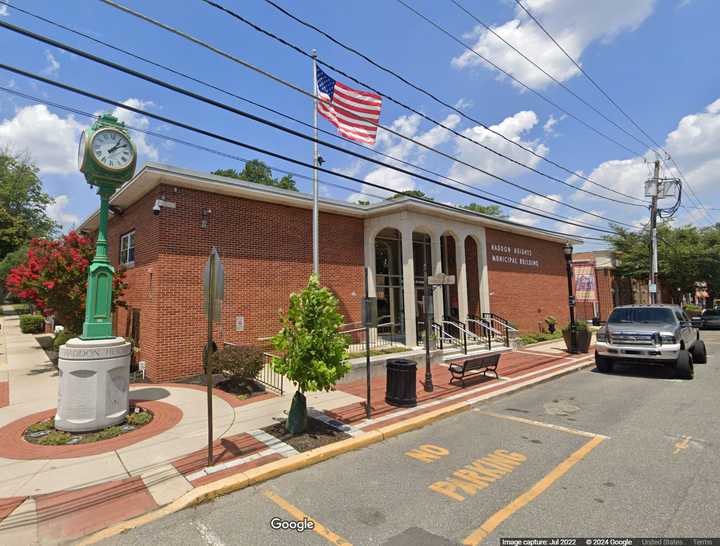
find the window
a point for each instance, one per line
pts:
(127, 249)
(641, 314)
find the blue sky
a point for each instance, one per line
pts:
(655, 58)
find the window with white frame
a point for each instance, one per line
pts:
(127, 249)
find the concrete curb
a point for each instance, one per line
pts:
(274, 469)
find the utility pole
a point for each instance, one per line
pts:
(652, 282)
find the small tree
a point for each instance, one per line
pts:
(313, 353)
(54, 278)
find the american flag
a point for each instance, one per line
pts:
(354, 113)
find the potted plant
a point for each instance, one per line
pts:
(551, 322)
(583, 336)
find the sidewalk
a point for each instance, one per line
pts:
(52, 494)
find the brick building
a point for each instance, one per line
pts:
(610, 289)
(263, 236)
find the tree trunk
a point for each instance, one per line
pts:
(297, 418)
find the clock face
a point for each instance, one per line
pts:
(112, 149)
(81, 150)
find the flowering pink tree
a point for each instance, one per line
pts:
(54, 278)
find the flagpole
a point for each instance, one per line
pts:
(315, 222)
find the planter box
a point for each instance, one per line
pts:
(583, 340)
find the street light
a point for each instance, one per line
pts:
(571, 298)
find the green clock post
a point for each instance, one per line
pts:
(95, 368)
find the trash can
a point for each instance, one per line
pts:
(400, 386)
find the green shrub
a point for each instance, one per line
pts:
(550, 320)
(528, 339)
(692, 310)
(32, 324)
(238, 362)
(49, 424)
(580, 326)
(61, 338)
(139, 419)
(55, 438)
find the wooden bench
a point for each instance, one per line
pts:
(474, 366)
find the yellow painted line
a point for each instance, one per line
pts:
(299, 515)
(682, 444)
(501, 515)
(542, 424)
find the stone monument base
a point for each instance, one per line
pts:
(94, 384)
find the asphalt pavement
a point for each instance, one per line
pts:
(634, 453)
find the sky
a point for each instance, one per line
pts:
(655, 59)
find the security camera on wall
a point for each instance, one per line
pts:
(156, 207)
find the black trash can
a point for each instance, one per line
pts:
(400, 386)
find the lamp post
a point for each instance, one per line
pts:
(427, 295)
(571, 298)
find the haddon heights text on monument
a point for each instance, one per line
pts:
(513, 255)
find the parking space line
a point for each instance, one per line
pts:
(477, 536)
(544, 425)
(299, 515)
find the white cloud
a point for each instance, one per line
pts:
(4, 11)
(537, 202)
(695, 145)
(586, 218)
(57, 211)
(575, 25)
(552, 121)
(146, 151)
(514, 128)
(405, 150)
(463, 103)
(53, 65)
(50, 139)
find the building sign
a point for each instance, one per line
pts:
(585, 281)
(512, 255)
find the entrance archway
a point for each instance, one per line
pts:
(449, 267)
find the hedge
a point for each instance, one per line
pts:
(32, 324)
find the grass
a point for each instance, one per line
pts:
(377, 352)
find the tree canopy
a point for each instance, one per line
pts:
(22, 204)
(686, 255)
(412, 193)
(490, 210)
(258, 172)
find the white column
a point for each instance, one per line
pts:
(461, 269)
(409, 287)
(483, 273)
(436, 258)
(370, 262)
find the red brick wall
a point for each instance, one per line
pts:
(266, 253)
(526, 294)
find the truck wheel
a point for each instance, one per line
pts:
(684, 365)
(604, 364)
(699, 353)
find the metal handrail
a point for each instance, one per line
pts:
(267, 375)
(497, 318)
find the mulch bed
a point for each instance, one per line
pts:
(45, 433)
(243, 389)
(318, 434)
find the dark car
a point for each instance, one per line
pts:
(709, 320)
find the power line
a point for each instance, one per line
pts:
(541, 69)
(259, 105)
(519, 82)
(415, 111)
(220, 153)
(270, 153)
(614, 103)
(278, 126)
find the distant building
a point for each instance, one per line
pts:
(610, 289)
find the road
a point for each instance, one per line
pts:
(634, 453)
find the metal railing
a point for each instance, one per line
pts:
(382, 336)
(267, 375)
(455, 332)
(499, 323)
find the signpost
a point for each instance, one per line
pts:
(213, 292)
(369, 321)
(430, 283)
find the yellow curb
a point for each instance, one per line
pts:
(207, 492)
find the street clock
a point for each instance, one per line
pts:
(106, 154)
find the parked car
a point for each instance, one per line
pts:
(660, 335)
(709, 319)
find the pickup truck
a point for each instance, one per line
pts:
(660, 335)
